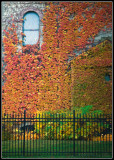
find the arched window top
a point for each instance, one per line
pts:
(31, 28)
(31, 20)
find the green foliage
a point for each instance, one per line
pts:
(86, 109)
(97, 111)
(60, 128)
(6, 131)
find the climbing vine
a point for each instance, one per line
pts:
(38, 79)
(89, 86)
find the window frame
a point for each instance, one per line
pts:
(23, 43)
(39, 12)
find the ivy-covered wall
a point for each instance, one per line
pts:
(39, 79)
(15, 10)
(92, 78)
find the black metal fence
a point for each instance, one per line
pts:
(64, 134)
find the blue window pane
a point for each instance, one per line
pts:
(31, 21)
(31, 37)
(31, 28)
(107, 77)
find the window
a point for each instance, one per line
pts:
(107, 77)
(31, 28)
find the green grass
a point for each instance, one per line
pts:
(56, 146)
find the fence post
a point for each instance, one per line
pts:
(24, 133)
(74, 132)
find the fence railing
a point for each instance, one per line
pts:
(73, 133)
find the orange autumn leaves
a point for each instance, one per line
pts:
(76, 23)
(69, 25)
(22, 73)
(31, 80)
(37, 79)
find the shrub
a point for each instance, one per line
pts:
(51, 129)
(6, 131)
